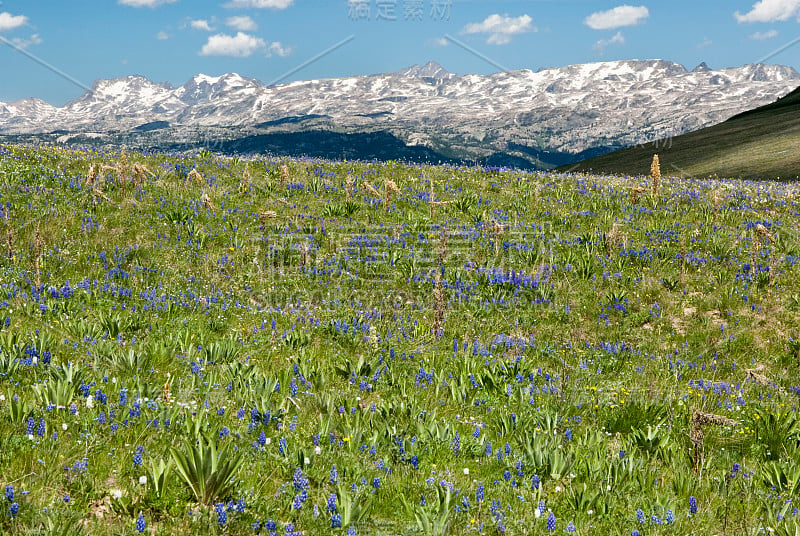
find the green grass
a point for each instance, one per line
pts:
(758, 144)
(205, 352)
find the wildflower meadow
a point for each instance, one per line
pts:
(208, 344)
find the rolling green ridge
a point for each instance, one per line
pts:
(759, 144)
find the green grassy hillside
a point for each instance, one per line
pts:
(759, 144)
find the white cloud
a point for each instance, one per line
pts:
(244, 23)
(770, 11)
(440, 42)
(162, 35)
(277, 49)
(259, 4)
(25, 43)
(145, 3)
(240, 45)
(11, 22)
(500, 28)
(761, 36)
(201, 24)
(618, 17)
(603, 44)
(705, 43)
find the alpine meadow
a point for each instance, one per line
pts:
(206, 344)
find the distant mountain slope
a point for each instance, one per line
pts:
(541, 119)
(760, 143)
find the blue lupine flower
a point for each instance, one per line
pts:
(351, 531)
(551, 522)
(336, 521)
(534, 482)
(331, 505)
(376, 482)
(640, 515)
(300, 480)
(570, 527)
(479, 493)
(140, 524)
(14, 508)
(456, 443)
(668, 517)
(334, 478)
(9, 493)
(692, 505)
(222, 514)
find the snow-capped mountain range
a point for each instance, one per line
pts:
(563, 110)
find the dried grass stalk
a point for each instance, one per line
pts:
(348, 186)
(635, 192)
(267, 214)
(438, 304)
(195, 176)
(244, 184)
(754, 252)
(207, 202)
(389, 187)
(140, 173)
(38, 244)
(94, 171)
(716, 200)
(123, 167)
(655, 173)
(166, 395)
(9, 235)
(697, 434)
(615, 238)
(284, 175)
(432, 198)
(764, 233)
(368, 187)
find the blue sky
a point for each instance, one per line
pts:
(171, 40)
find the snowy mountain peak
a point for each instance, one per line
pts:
(202, 87)
(702, 68)
(758, 72)
(429, 70)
